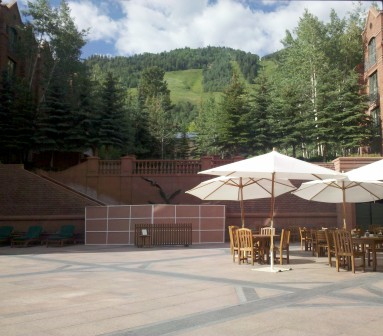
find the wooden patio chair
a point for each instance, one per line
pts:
(246, 248)
(320, 243)
(65, 235)
(268, 231)
(345, 250)
(330, 245)
(294, 233)
(312, 236)
(233, 240)
(305, 238)
(284, 245)
(32, 236)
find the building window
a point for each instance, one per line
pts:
(11, 68)
(373, 88)
(12, 38)
(375, 115)
(371, 53)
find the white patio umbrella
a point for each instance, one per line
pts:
(239, 189)
(372, 171)
(341, 191)
(274, 166)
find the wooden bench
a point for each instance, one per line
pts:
(163, 234)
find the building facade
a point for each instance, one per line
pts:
(373, 71)
(10, 23)
(19, 52)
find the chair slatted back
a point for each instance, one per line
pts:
(330, 239)
(245, 238)
(344, 249)
(343, 242)
(268, 231)
(285, 239)
(245, 245)
(233, 237)
(321, 237)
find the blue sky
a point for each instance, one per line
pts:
(128, 27)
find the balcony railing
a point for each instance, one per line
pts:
(156, 167)
(147, 167)
(110, 167)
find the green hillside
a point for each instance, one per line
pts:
(186, 85)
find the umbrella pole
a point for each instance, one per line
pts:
(344, 207)
(241, 202)
(272, 223)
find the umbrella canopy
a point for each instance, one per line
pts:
(341, 191)
(372, 171)
(282, 166)
(239, 189)
(274, 166)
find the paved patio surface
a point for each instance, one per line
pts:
(116, 291)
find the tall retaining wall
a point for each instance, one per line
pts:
(141, 182)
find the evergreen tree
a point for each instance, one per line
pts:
(153, 122)
(113, 130)
(350, 126)
(84, 114)
(258, 119)
(54, 122)
(161, 125)
(16, 120)
(234, 132)
(207, 128)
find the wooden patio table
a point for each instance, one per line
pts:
(264, 244)
(371, 242)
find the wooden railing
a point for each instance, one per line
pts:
(163, 234)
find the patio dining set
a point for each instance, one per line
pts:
(268, 176)
(248, 245)
(342, 247)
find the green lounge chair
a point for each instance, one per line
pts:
(32, 236)
(66, 235)
(5, 234)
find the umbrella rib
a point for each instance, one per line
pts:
(359, 184)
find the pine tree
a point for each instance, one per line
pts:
(207, 128)
(234, 130)
(54, 122)
(113, 128)
(153, 120)
(258, 119)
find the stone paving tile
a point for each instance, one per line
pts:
(83, 290)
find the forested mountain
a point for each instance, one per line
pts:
(215, 62)
(306, 100)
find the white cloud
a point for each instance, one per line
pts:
(87, 15)
(162, 25)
